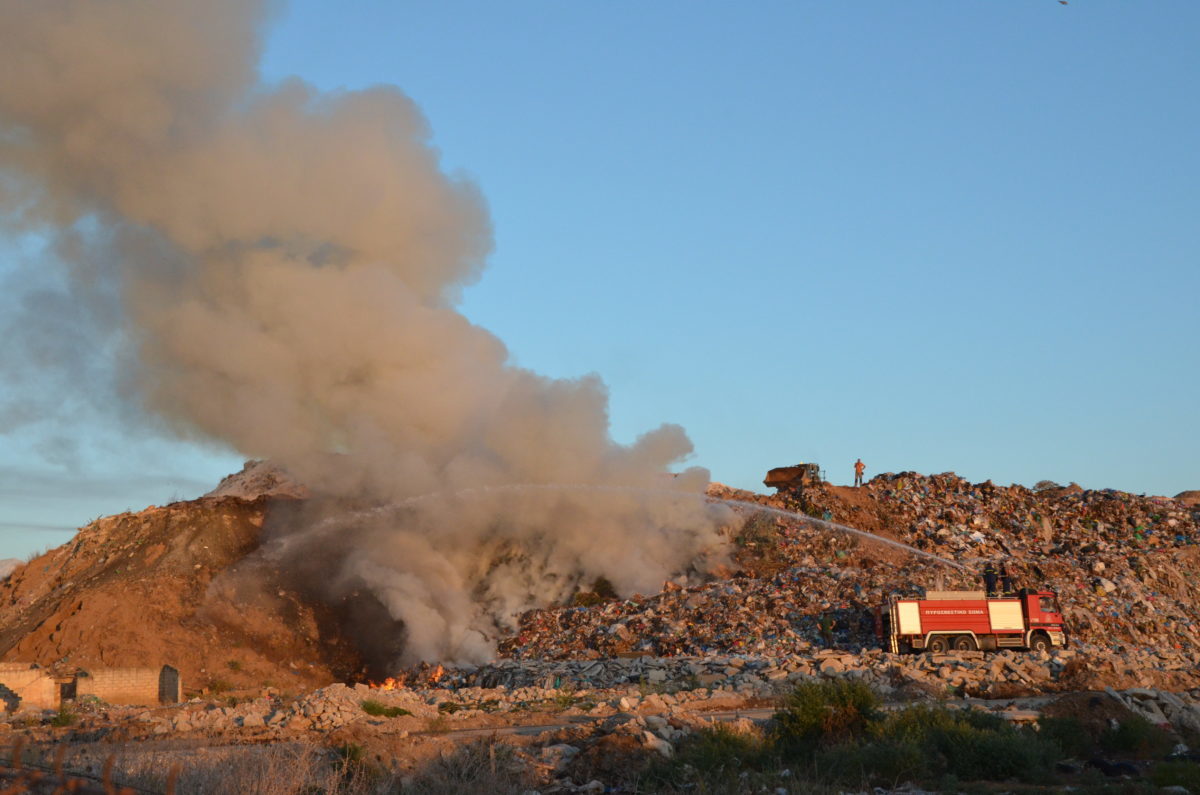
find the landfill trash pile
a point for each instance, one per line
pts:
(764, 615)
(948, 514)
(1125, 567)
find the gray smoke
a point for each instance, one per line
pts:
(284, 266)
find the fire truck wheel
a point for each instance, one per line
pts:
(1039, 642)
(964, 643)
(938, 645)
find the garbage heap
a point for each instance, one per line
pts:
(945, 513)
(1125, 567)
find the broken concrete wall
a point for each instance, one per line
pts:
(25, 686)
(130, 685)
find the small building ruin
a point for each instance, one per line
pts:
(29, 686)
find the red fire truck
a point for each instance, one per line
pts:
(970, 620)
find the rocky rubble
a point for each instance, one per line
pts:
(675, 686)
(577, 709)
(946, 675)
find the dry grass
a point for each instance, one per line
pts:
(292, 769)
(191, 768)
(481, 766)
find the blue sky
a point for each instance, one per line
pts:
(935, 235)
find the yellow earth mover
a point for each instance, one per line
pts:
(794, 478)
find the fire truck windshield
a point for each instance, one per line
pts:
(1048, 604)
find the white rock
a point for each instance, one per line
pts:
(656, 743)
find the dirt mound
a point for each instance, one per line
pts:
(1094, 710)
(259, 479)
(1188, 498)
(156, 587)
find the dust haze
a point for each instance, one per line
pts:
(276, 269)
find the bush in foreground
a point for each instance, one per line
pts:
(968, 744)
(1138, 737)
(833, 733)
(381, 710)
(1070, 734)
(1178, 773)
(64, 717)
(822, 714)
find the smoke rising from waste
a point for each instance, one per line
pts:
(287, 264)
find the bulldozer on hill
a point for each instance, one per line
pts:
(793, 479)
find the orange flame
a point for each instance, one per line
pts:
(391, 683)
(400, 681)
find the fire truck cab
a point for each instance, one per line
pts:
(970, 620)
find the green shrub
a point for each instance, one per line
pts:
(1070, 734)
(975, 754)
(381, 710)
(969, 744)
(823, 714)
(1179, 773)
(64, 717)
(720, 748)
(1138, 737)
(914, 724)
(871, 764)
(834, 733)
(711, 756)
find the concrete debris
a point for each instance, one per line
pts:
(572, 717)
(658, 744)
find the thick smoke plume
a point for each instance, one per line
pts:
(285, 265)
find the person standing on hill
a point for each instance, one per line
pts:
(1006, 583)
(859, 466)
(826, 625)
